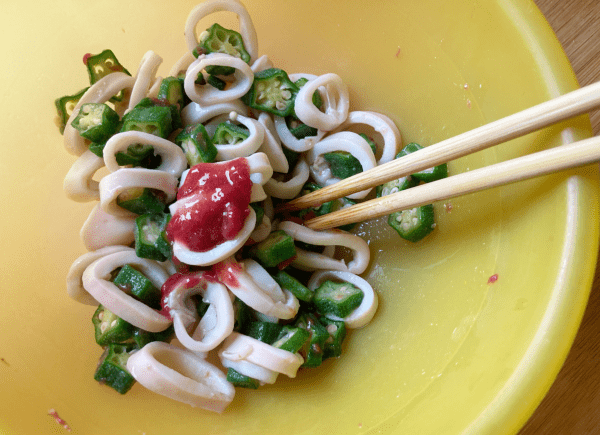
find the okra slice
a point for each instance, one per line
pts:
(241, 380)
(293, 285)
(299, 129)
(150, 238)
(96, 122)
(343, 164)
(64, 108)
(263, 331)
(143, 337)
(291, 339)
(291, 156)
(428, 175)
(97, 148)
(215, 82)
(146, 102)
(217, 39)
(102, 64)
(312, 351)
(397, 185)
(110, 329)
(272, 91)
(259, 211)
(311, 212)
(156, 120)
(341, 203)
(337, 333)
(339, 299)
(141, 201)
(316, 99)
(137, 284)
(171, 90)
(197, 145)
(230, 134)
(369, 141)
(242, 315)
(413, 224)
(276, 248)
(112, 368)
(137, 155)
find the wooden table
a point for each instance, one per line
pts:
(572, 405)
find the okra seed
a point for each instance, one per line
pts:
(113, 323)
(103, 327)
(101, 315)
(332, 328)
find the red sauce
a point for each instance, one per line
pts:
(177, 280)
(86, 57)
(225, 272)
(216, 205)
(493, 279)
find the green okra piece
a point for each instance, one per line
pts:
(142, 200)
(138, 285)
(156, 120)
(337, 333)
(150, 236)
(217, 39)
(96, 122)
(276, 248)
(339, 299)
(291, 339)
(413, 224)
(240, 380)
(272, 91)
(230, 134)
(64, 108)
(109, 328)
(293, 285)
(102, 64)
(312, 351)
(112, 368)
(197, 145)
(428, 175)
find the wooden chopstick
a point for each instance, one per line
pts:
(537, 164)
(542, 115)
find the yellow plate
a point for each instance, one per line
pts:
(448, 352)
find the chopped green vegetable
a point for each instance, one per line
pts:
(337, 333)
(312, 351)
(339, 299)
(413, 224)
(230, 134)
(241, 380)
(171, 90)
(217, 39)
(276, 248)
(343, 164)
(143, 337)
(215, 82)
(112, 368)
(64, 107)
(101, 65)
(264, 331)
(429, 175)
(197, 145)
(293, 285)
(109, 328)
(156, 120)
(137, 284)
(150, 238)
(291, 339)
(272, 91)
(242, 315)
(96, 122)
(141, 201)
(397, 185)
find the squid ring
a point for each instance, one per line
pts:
(208, 7)
(181, 375)
(173, 160)
(193, 113)
(364, 313)
(143, 79)
(96, 280)
(337, 102)
(206, 95)
(291, 188)
(114, 184)
(248, 146)
(78, 184)
(271, 145)
(263, 375)
(102, 229)
(309, 261)
(293, 143)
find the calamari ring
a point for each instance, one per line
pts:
(101, 229)
(271, 145)
(181, 375)
(96, 280)
(392, 140)
(182, 64)
(79, 185)
(308, 261)
(99, 92)
(75, 288)
(290, 141)
(114, 184)
(144, 77)
(208, 7)
(263, 375)
(206, 95)
(173, 160)
(349, 142)
(337, 102)
(261, 64)
(261, 231)
(238, 347)
(193, 113)
(291, 188)
(364, 313)
(248, 146)
(214, 326)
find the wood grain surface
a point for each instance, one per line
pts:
(572, 405)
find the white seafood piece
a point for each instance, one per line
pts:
(271, 145)
(336, 102)
(117, 183)
(217, 253)
(263, 375)
(144, 78)
(261, 64)
(349, 142)
(79, 184)
(75, 288)
(269, 209)
(206, 95)
(99, 92)
(96, 281)
(364, 313)
(247, 29)
(309, 261)
(214, 326)
(262, 231)
(155, 87)
(290, 141)
(194, 113)
(255, 287)
(392, 140)
(182, 64)
(173, 160)
(101, 229)
(181, 375)
(291, 188)
(238, 347)
(248, 146)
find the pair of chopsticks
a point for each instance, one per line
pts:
(537, 164)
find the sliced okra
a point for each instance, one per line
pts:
(143, 337)
(291, 339)
(112, 368)
(343, 164)
(276, 248)
(215, 82)
(217, 39)
(156, 120)
(312, 350)
(96, 122)
(109, 328)
(293, 285)
(339, 299)
(64, 108)
(230, 134)
(141, 201)
(102, 64)
(263, 331)
(171, 90)
(337, 333)
(138, 285)
(272, 91)
(413, 224)
(197, 145)
(150, 237)
(428, 175)
(240, 380)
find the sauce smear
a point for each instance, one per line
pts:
(214, 204)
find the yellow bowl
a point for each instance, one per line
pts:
(448, 351)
